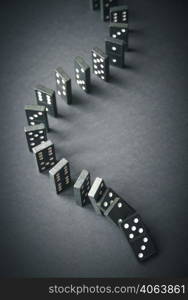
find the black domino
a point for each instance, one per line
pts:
(119, 14)
(46, 97)
(82, 74)
(82, 187)
(60, 176)
(115, 50)
(36, 114)
(138, 237)
(45, 156)
(105, 8)
(118, 211)
(119, 31)
(63, 85)
(107, 199)
(97, 190)
(95, 4)
(100, 63)
(35, 135)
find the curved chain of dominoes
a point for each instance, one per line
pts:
(103, 199)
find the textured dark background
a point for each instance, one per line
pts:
(131, 131)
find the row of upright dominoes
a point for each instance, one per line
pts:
(103, 199)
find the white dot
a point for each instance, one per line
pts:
(32, 144)
(40, 113)
(140, 230)
(102, 77)
(145, 239)
(94, 54)
(110, 194)
(59, 93)
(35, 115)
(64, 93)
(143, 247)
(114, 35)
(131, 236)
(30, 133)
(126, 225)
(136, 220)
(133, 228)
(36, 135)
(105, 204)
(31, 118)
(77, 71)
(83, 88)
(140, 255)
(118, 33)
(57, 75)
(123, 30)
(58, 81)
(114, 48)
(119, 204)
(120, 221)
(82, 70)
(114, 60)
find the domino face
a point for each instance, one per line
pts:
(100, 62)
(133, 227)
(119, 14)
(94, 4)
(82, 74)
(97, 190)
(63, 85)
(36, 114)
(82, 187)
(45, 156)
(60, 175)
(118, 211)
(107, 199)
(115, 51)
(138, 237)
(46, 97)
(105, 8)
(35, 135)
(119, 31)
(144, 248)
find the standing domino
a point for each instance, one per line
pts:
(82, 74)
(119, 14)
(105, 8)
(100, 62)
(46, 97)
(45, 156)
(82, 187)
(119, 31)
(35, 135)
(115, 50)
(63, 84)
(97, 189)
(60, 175)
(94, 4)
(36, 114)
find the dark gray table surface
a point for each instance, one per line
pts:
(132, 132)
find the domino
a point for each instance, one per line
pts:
(82, 187)
(119, 14)
(119, 31)
(35, 135)
(63, 85)
(36, 114)
(144, 247)
(94, 4)
(138, 237)
(105, 8)
(118, 211)
(60, 175)
(100, 63)
(45, 156)
(107, 199)
(95, 193)
(133, 227)
(82, 74)
(46, 97)
(115, 51)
